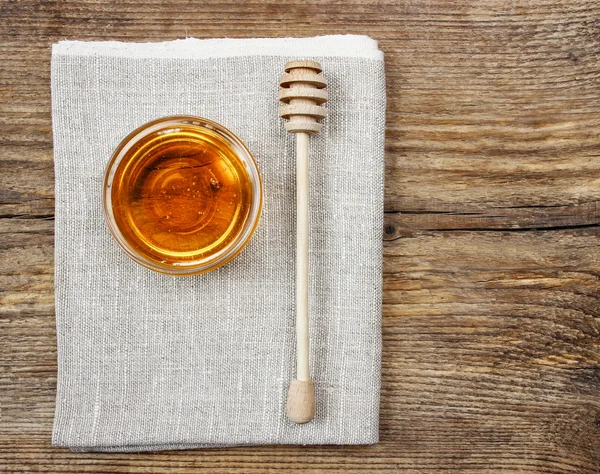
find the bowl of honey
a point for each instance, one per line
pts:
(182, 195)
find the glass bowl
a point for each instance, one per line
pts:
(182, 195)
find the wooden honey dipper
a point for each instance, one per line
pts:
(302, 93)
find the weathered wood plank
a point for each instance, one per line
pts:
(491, 326)
(408, 223)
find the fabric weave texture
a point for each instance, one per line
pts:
(150, 362)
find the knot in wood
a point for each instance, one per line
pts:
(302, 94)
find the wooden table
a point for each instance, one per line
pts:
(491, 329)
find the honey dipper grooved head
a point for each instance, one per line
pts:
(303, 93)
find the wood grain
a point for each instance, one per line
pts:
(491, 322)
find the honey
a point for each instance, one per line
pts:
(180, 196)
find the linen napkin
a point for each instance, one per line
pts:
(148, 361)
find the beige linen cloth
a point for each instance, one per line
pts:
(148, 361)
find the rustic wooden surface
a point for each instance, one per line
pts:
(491, 359)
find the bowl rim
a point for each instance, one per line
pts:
(235, 246)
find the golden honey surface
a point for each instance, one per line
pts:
(180, 195)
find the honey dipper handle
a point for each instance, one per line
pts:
(302, 372)
(301, 394)
(301, 401)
